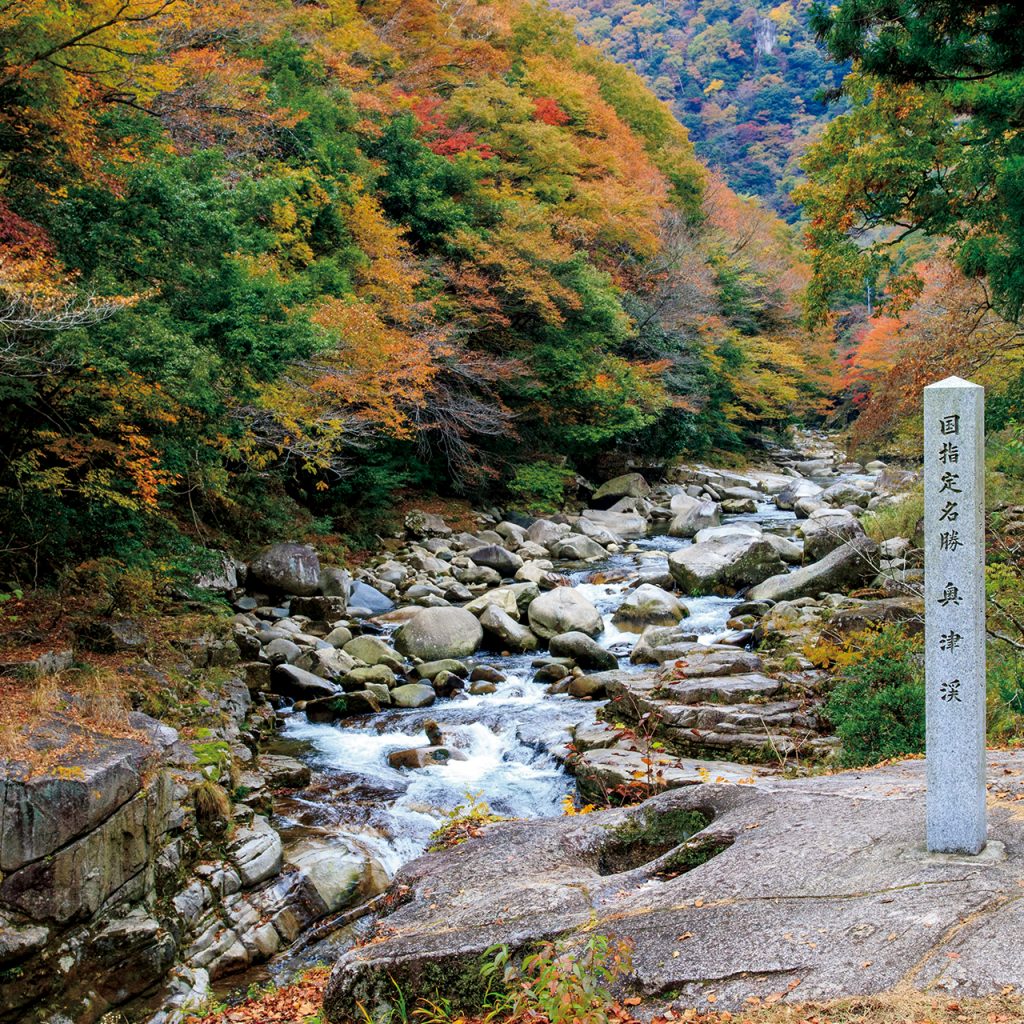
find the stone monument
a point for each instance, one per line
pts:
(954, 524)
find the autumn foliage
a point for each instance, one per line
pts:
(261, 252)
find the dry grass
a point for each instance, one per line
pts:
(48, 722)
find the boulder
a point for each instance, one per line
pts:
(845, 493)
(501, 597)
(287, 568)
(338, 873)
(509, 634)
(413, 695)
(298, 684)
(322, 609)
(587, 653)
(426, 524)
(436, 633)
(724, 566)
(849, 566)
(577, 548)
(283, 772)
(788, 498)
(424, 757)
(545, 533)
(373, 651)
(362, 595)
(649, 605)
(629, 485)
(564, 610)
(495, 557)
(827, 529)
(625, 525)
(328, 709)
(335, 582)
(691, 515)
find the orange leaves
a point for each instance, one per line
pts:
(297, 1003)
(375, 370)
(547, 110)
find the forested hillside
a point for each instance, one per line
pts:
(266, 262)
(749, 80)
(914, 198)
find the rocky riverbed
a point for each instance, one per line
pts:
(657, 639)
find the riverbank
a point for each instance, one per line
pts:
(335, 722)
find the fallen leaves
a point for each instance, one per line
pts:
(297, 1003)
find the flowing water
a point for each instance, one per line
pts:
(511, 738)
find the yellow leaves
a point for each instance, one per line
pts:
(713, 86)
(390, 276)
(570, 810)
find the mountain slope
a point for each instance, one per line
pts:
(745, 78)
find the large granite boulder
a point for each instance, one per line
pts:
(564, 610)
(851, 565)
(629, 485)
(494, 556)
(624, 525)
(577, 548)
(827, 529)
(504, 632)
(586, 652)
(287, 568)
(436, 633)
(723, 566)
(691, 515)
(648, 605)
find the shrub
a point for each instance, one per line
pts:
(877, 702)
(561, 982)
(540, 486)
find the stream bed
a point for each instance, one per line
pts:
(514, 740)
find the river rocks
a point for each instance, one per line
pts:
(362, 595)
(858, 616)
(328, 709)
(799, 489)
(503, 598)
(287, 568)
(584, 651)
(848, 567)
(413, 695)
(424, 757)
(509, 634)
(623, 525)
(648, 605)
(564, 610)
(337, 872)
(577, 548)
(373, 651)
(501, 560)
(826, 530)
(691, 515)
(629, 485)
(723, 566)
(324, 609)
(426, 524)
(283, 772)
(545, 533)
(282, 651)
(845, 493)
(436, 633)
(297, 683)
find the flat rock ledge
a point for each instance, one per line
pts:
(821, 890)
